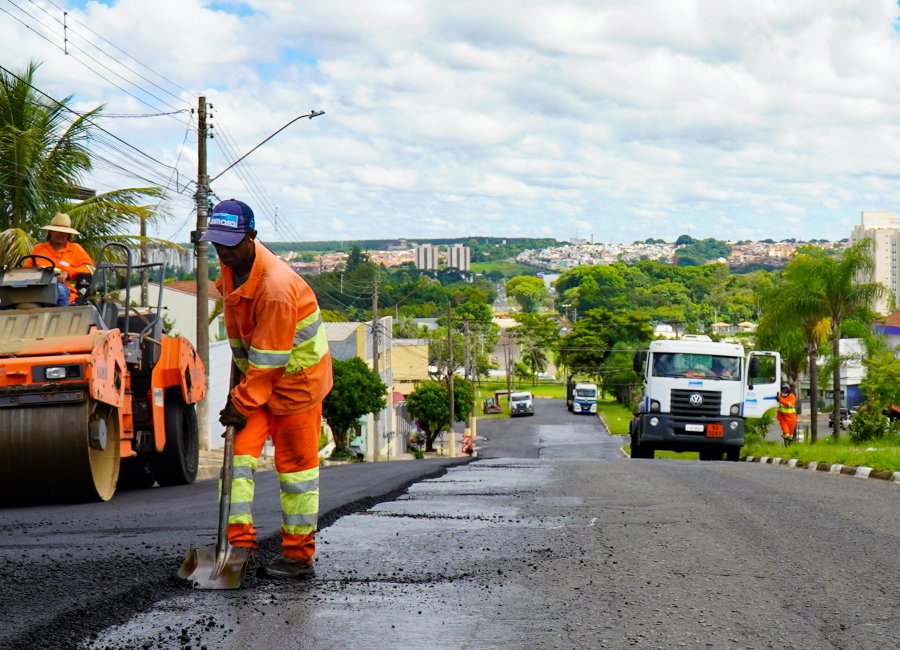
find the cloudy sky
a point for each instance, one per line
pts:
(617, 119)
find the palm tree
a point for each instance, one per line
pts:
(819, 294)
(43, 157)
(536, 360)
(797, 330)
(845, 296)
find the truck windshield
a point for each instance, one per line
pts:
(696, 366)
(585, 392)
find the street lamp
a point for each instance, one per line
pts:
(310, 115)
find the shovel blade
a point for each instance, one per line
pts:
(204, 570)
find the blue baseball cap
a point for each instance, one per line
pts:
(229, 222)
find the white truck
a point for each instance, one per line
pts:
(584, 398)
(696, 395)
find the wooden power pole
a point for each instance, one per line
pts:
(376, 415)
(201, 253)
(450, 372)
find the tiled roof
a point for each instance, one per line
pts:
(190, 286)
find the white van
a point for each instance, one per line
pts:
(521, 404)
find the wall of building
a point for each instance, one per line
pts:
(180, 309)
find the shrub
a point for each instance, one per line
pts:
(755, 429)
(869, 423)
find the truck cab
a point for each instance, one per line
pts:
(584, 398)
(697, 394)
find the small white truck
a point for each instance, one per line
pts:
(696, 395)
(584, 398)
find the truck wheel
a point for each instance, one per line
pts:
(705, 455)
(177, 463)
(733, 454)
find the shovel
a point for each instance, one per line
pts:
(224, 566)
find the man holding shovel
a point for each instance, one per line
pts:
(279, 347)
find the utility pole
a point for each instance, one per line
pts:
(201, 253)
(466, 363)
(452, 440)
(144, 275)
(376, 415)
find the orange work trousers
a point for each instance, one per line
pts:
(788, 422)
(296, 441)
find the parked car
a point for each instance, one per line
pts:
(521, 404)
(846, 418)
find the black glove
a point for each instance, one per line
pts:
(231, 417)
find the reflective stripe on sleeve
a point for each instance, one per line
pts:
(268, 358)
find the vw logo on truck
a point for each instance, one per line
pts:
(696, 399)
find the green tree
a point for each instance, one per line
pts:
(528, 291)
(355, 258)
(619, 377)
(429, 404)
(43, 157)
(834, 291)
(788, 319)
(357, 391)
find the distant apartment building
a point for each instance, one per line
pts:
(174, 258)
(426, 257)
(883, 230)
(459, 257)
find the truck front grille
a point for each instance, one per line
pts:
(684, 403)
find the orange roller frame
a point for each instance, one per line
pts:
(179, 365)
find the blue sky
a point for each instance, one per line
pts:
(621, 119)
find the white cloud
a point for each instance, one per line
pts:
(631, 118)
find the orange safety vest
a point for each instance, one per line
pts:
(72, 259)
(277, 338)
(787, 403)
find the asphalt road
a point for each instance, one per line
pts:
(69, 571)
(550, 539)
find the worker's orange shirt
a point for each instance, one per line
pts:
(789, 400)
(277, 338)
(72, 259)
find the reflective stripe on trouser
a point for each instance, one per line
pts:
(240, 520)
(296, 440)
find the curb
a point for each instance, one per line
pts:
(211, 464)
(836, 468)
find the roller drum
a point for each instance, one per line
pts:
(57, 453)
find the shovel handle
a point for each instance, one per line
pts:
(225, 496)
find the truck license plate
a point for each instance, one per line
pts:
(696, 428)
(715, 431)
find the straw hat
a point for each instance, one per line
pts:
(61, 223)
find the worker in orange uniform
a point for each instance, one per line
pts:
(279, 346)
(69, 258)
(787, 411)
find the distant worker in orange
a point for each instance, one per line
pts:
(279, 347)
(69, 258)
(787, 411)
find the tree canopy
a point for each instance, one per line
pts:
(357, 391)
(429, 404)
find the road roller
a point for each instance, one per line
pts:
(94, 396)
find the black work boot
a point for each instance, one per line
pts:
(285, 568)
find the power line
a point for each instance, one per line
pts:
(120, 50)
(67, 30)
(89, 56)
(64, 107)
